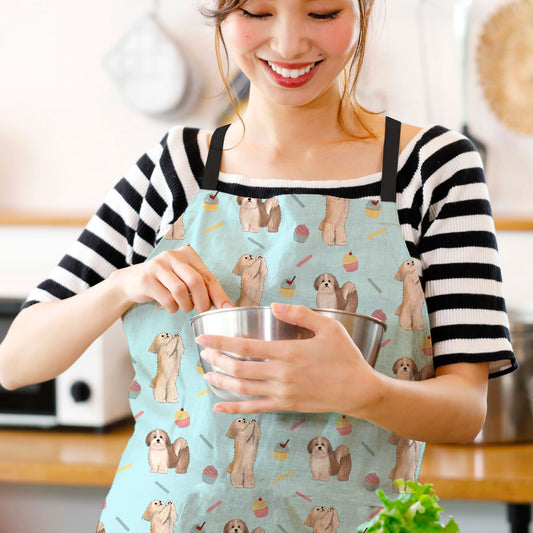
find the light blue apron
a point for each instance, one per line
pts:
(187, 469)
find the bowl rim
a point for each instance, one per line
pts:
(264, 307)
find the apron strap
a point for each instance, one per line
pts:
(212, 166)
(391, 151)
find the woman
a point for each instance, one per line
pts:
(294, 192)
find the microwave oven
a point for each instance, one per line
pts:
(92, 393)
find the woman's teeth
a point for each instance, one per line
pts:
(290, 73)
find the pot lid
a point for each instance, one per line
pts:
(505, 64)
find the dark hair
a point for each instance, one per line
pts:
(218, 14)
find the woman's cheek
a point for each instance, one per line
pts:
(340, 39)
(240, 35)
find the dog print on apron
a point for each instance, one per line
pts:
(187, 469)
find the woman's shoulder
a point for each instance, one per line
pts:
(185, 134)
(435, 134)
(436, 142)
(187, 147)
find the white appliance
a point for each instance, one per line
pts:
(93, 392)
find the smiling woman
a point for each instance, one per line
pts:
(310, 201)
(353, 27)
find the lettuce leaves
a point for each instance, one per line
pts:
(415, 511)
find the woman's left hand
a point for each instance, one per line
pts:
(325, 373)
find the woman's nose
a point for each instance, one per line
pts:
(289, 39)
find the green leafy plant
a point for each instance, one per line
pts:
(415, 511)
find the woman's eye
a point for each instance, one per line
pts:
(325, 16)
(248, 14)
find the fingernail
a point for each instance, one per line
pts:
(280, 308)
(202, 340)
(227, 305)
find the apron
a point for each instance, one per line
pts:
(187, 469)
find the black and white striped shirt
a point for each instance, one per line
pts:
(443, 208)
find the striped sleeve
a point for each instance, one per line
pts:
(133, 218)
(449, 228)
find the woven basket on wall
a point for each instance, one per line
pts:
(505, 64)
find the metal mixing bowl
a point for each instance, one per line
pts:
(260, 323)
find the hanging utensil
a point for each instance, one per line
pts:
(462, 26)
(151, 70)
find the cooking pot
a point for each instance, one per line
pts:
(510, 397)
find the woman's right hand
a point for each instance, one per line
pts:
(175, 279)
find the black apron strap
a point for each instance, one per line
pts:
(212, 166)
(391, 150)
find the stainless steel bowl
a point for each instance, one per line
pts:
(260, 323)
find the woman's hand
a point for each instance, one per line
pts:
(175, 279)
(324, 373)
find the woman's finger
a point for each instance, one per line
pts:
(260, 405)
(299, 315)
(195, 288)
(159, 293)
(176, 288)
(253, 370)
(244, 387)
(216, 293)
(258, 349)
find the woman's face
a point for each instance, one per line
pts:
(293, 50)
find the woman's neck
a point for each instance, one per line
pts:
(294, 129)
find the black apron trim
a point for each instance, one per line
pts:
(212, 166)
(391, 150)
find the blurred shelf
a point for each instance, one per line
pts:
(22, 218)
(27, 218)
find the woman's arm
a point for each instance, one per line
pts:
(46, 338)
(448, 408)
(327, 373)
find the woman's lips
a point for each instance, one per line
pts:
(291, 75)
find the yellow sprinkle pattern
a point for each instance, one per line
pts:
(213, 227)
(376, 233)
(284, 476)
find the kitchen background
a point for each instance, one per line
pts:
(72, 121)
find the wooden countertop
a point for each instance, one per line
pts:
(62, 457)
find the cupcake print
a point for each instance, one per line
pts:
(301, 233)
(344, 425)
(378, 314)
(182, 418)
(211, 202)
(288, 287)
(135, 389)
(260, 508)
(371, 482)
(350, 262)
(210, 474)
(373, 209)
(427, 347)
(281, 451)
